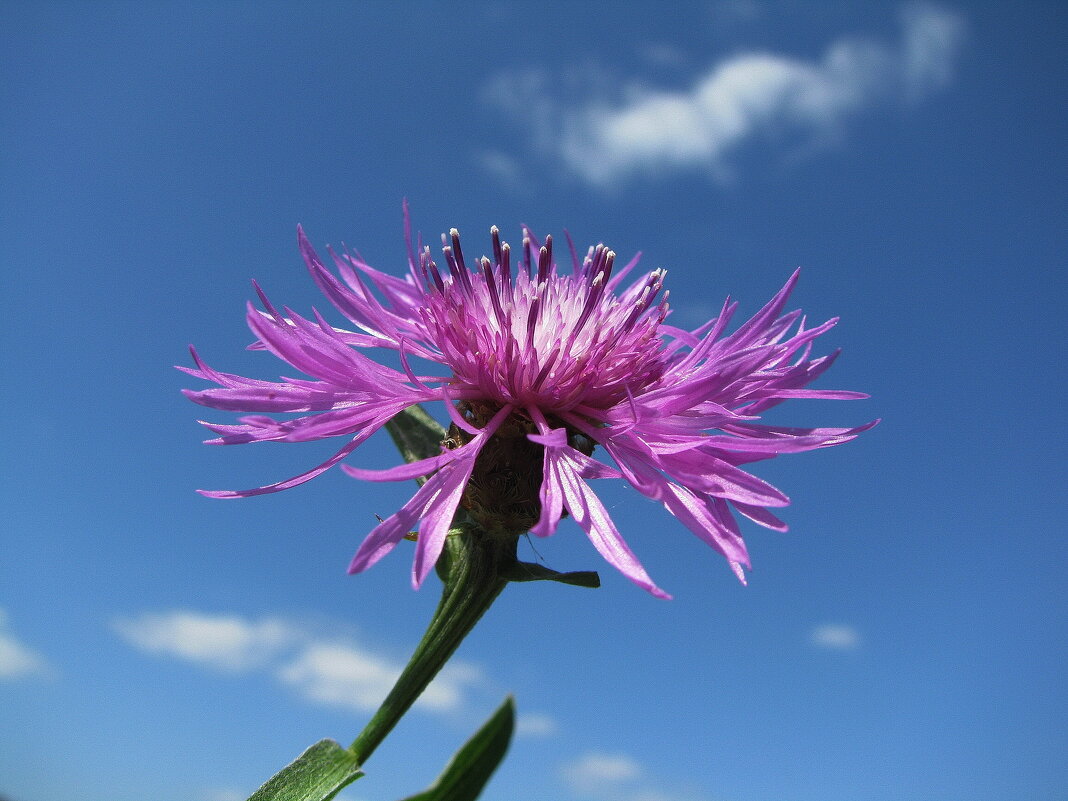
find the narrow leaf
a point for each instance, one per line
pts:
(416, 434)
(318, 774)
(528, 571)
(471, 767)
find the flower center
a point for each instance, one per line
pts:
(541, 338)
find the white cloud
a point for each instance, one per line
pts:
(535, 724)
(502, 166)
(750, 97)
(17, 660)
(603, 776)
(224, 795)
(342, 674)
(663, 55)
(332, 671)
(600, 774)
(227, 642)
(835, 636)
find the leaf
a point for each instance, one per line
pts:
(416, 434)
(528, 571)
(318, 774)
(471, 767)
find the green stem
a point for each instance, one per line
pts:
(469, 566)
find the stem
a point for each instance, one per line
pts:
(469, 567)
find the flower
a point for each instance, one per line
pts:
(540, 367)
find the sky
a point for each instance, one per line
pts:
(905, 639)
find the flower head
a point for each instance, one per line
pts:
(539, 368)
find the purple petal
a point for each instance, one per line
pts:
(760, 516)
(708, 522)
(439, 516)
(588, 511)
(307, 476)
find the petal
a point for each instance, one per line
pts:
(307, 476)
(435, 502)
(402, 472)
(588, 511)
(439, 515)
(708, 522)
(760, 516)
(550, 496)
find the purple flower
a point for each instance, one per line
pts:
(539, 368)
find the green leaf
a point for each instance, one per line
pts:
(416, 434)
(471, 767)
(318, 774)
(529, 571)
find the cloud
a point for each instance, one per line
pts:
(340, 674)
(836, 637)
(225, 795)
(17, 660)
(502, 166)
(659, 54)
(599, 774)
(535, 724)
(605, 776)
(331, 670)
(752, 98)
(226, 642)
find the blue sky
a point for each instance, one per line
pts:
(906, 639)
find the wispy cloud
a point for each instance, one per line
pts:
(763, 98)
(502, 166)
(333, 671)
(344, 675)
(17, 660)
(608, 776)
(224, 795)
(835, 636)
(596, 773)
(227, 642)
(535, 724)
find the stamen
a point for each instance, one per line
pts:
(498, 312)
(609, 262)
(545, 258)
(543, 262)
(495, 233)
(639, 306)
(663, 308)
(427, 264)
(593, 299)
(544, 372)
(456, 248)
(506, 265)
(456, 266)
(532, 313)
